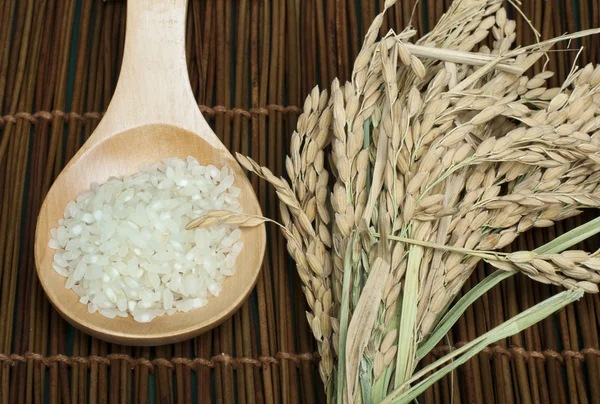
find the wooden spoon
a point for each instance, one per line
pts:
(153, 115)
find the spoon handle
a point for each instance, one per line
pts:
(153, 84)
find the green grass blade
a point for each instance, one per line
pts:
(570, 238)
(558, 245)
(510, 327)
(408, 317)
(344, 321)
(458, 309)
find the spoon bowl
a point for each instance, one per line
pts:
(152, 116)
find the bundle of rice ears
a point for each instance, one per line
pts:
(431, 159)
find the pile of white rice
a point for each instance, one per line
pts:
(123, 246)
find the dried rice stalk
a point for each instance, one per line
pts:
(305, 218)
(438, 159)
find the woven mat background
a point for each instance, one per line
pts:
(251, 63)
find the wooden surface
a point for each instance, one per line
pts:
(152, 115)
(251, 64)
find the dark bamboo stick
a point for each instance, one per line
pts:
(18, 52)
(398, 26)
(74, 142)
(277, 36)
(94, 103)
(572, 329)
(324, 70)
(203, 350)
(190, 48)
(121, 37)
(34, 388)
(144, 374)
(305, 50)
(278, 251)
(290, 346)
(46, 71)
(103, 383)
(7, 274)
(81, 70)
(294, 68)
(524, 285)
(439, 11)
(540, 370)
(589, 332)
(240, 71)
(197, 24)
(93, 89)
(178, 349)
(205, 77)
(353, 34)
(220, 63)
(417, 16)
(7, 17)
(114, 48)
(226, 345)
(454, 378)
(480, 370)
(305, 344)
(260, 399)
(162, 375)
(226, 89)
(501, 364)
(83, 384)
(248, 351)
(340, 39)
(307, 47)
(572, 367)
(23, 146)
(428, 396)
(115, 376)
(74, 385)
(595, 41)
(483, 323)
(60, 36)
(203, 344)
(472, 385)
(245, 136)
(21, 333)
(293, 75)
(431, 17)
(37, 165)
(54, 380)
(187, 374)
(125, 382)
(40, 326)
(218, 384)
(521, 373)
(54, 163)
(243, 330)
(260, 67)
(239, 349)
(330, 34)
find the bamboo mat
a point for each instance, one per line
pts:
(251, 63)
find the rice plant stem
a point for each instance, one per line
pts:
(491, 255)
(408, 317)
(344, 320)
(454, 56)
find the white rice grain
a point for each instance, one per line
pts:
(124, 249)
